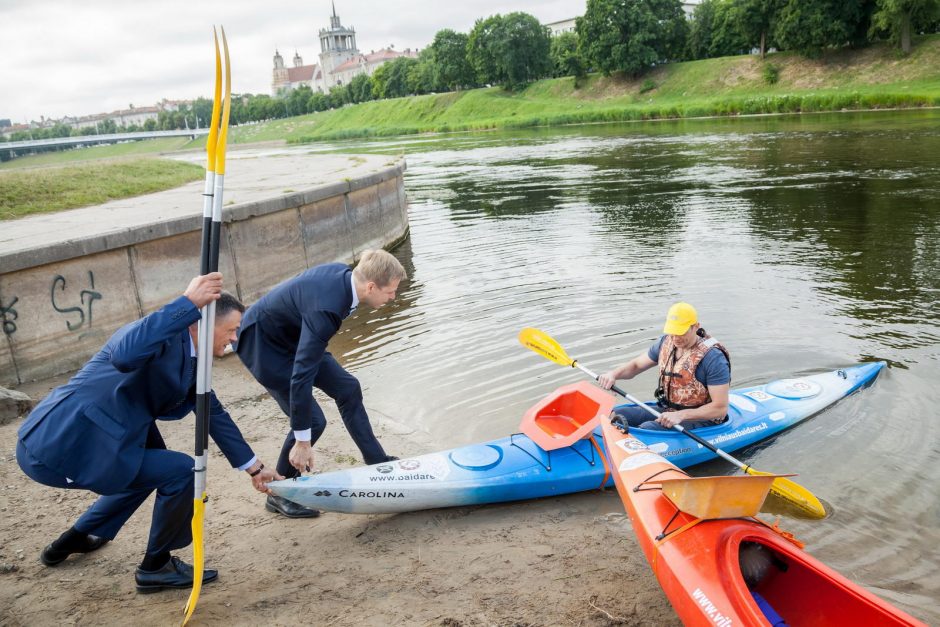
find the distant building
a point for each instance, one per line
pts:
(689, 6)
(6, 131)
(126, 117)
(564, 26)
(340, 61)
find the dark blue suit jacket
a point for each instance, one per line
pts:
(94, 428)
(283, 336)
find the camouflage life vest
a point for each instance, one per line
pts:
(678, 388)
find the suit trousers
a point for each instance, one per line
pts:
(343, 388)
(170, 473)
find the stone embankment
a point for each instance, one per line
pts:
(69, 280)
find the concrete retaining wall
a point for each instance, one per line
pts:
(61, 303)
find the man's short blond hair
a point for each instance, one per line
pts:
(379, 267)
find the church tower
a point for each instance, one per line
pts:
(337, 46)
(279, 78)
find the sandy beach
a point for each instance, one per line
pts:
(559, 561)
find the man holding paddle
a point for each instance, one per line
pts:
(694, 375)
(98, 432)
(283, 342)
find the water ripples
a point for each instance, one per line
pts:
(806, 244)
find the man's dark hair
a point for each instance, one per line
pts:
(226, 304)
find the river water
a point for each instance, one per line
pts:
(806, 243)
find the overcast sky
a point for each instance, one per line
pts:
(74, 57)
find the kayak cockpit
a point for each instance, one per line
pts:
(772, 578)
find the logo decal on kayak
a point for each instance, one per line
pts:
(742, 403)
(433, 467)
(437, 465)
(638, 461)
(712, 612)
(370, 494)
(739, 433)
(677, 452)
(632, 445)
(759, 395)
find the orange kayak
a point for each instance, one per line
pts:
(726, 572)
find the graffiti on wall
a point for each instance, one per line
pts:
(78, 315)
(59, 283)
(9, 316)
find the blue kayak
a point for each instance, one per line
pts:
(516, 468)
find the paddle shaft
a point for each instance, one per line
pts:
(655, 413)
(209, 262)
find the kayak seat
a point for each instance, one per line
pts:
(567, 415)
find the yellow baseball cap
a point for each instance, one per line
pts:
(681, 316)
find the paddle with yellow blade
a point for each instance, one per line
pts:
(794, 494)
(211, 234)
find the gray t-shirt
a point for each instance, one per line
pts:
(713, 370)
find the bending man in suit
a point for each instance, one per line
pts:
(283, 341)
(98, 432)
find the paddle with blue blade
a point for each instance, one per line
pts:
(209, 262)
(800, 499)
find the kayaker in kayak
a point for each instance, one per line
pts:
(694, 375)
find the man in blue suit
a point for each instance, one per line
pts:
(98, 432)
(283, 341)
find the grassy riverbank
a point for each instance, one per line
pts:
(877, 77)
(108, 151)
(871, 78)
(23, 192)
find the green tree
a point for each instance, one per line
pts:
(715, 30)
(631, 35)
(150, 125)
(237, 113)
(526, 51)
(897, 18)
(319, 102)
(483, 50)
(275, 108)
(258, 107)
(296, 100)
(702, 29)
(359, 88)
(109, 126)
(449, 50)
(390, 80)
(339, 96)
(422, 76)
(57, 130)
(510, 50)
(808, 26)
(727, 38)
(566, 60)
(756, 21)
(202, 108)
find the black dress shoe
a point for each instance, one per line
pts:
(290, 509)
(390, 458)
(175, 574)
(51, 556)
